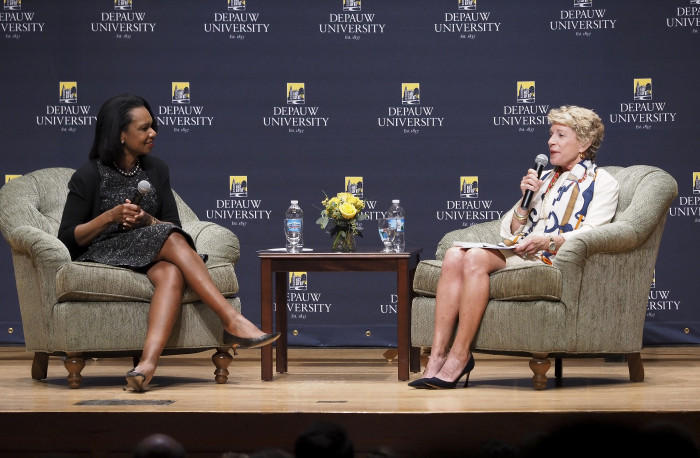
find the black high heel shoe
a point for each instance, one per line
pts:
(135, 380)
(436, 383)
(419, 383)
(250, 342)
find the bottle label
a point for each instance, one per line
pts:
(293, 225)
(399, 224)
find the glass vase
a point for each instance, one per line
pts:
(343, 243)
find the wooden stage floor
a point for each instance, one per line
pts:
(357, 388)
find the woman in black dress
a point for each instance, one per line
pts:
(101, 224)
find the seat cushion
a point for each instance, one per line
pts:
(519, 283)
(91, 281)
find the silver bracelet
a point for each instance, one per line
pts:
(520, 217)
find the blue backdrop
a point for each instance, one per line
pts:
(411, 98)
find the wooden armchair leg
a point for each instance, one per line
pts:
(414, 359)
(222, 358)
(40, 366)
(635, 366)
(539, 365)
(74, 364)
(558, 367)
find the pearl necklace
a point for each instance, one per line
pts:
(128, 174)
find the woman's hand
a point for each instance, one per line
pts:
(127, 215)
(130, 216)
(530, 182)
(531, 245)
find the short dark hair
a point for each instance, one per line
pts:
(159, 445)
(112, 119)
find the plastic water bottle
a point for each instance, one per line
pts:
(294, 228)
(398, 216)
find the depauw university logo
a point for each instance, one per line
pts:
(11, 177)
(526, 92)
(12, 5)
(354, 186)
(238, 185)
(583, 3)
(642, 89)
(696, 182)
(410, 94)
(469, 187)
(236, 5)
(352, 5)
(297, 281)
(123, 5)
(296, 94)
(466, 5)
(181, 93)
(69, 92)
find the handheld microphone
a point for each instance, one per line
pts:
(540, 162)
(142, 189)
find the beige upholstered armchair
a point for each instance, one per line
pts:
(80, 310)
(591, 302)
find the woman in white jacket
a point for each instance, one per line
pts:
(572, 197)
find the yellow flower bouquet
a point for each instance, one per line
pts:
(345, 210)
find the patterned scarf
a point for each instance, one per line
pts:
(569, 202)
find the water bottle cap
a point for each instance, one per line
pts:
(294, 202)
(395, 201)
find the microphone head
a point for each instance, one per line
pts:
(144, 187)
(542, 160)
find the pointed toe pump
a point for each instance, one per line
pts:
(250, 342)
(419, 383)
(439, 384)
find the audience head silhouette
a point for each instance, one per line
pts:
(324, 440)
(159, 446)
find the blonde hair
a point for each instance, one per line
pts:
(586, 123)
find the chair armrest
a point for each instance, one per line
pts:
(212, 239)
(596, 261)
(610, 238)
(37, 257)
(46, 250)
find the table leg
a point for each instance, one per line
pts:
(414, 351)
(403, 289)
(281, 279)
(266, 316)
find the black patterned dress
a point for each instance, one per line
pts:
(131, 248)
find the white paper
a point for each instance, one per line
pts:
(491, 246)
(284, 249)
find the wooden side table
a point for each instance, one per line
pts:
(278, 264)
